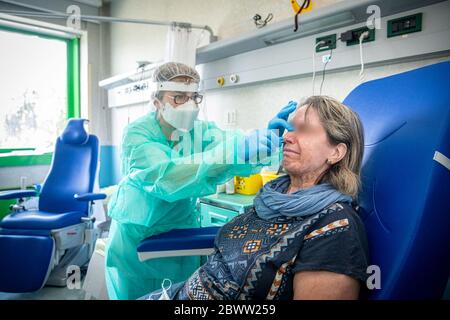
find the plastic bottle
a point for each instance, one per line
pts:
(229, 186)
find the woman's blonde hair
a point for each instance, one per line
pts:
(342, 126)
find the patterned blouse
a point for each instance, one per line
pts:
(257, 259)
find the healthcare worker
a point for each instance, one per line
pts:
(161, 183)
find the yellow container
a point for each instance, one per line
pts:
(248, 185)
(267, 176)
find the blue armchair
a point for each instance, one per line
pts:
(37, 246)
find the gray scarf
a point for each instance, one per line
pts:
(272, 201)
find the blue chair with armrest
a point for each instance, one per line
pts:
(405, 197)
(37, 246)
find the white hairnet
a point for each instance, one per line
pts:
(170, 70)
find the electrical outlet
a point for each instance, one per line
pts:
(352, 36)
(330, 43)
(404, 25)
(23, 183)
(231, 117)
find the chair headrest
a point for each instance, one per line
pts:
(74, 133)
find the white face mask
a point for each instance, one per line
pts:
(181, 117)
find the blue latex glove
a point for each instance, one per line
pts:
(258, 144)
(280, 122)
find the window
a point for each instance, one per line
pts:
(39, 89)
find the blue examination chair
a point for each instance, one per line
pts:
(405, 200)
(38, 246)
(405, 197)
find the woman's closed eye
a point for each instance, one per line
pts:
(302, 128)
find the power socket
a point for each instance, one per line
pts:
(351, 37)
(329, 43)
(404, 25)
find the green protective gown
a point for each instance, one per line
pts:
(158, 193)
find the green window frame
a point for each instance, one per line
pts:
(73, 99)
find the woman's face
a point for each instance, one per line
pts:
(307, 149)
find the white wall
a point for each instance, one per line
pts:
(228, 18)
(255, 104)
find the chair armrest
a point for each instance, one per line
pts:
(178, 242)
(37, 187)
(90, 196)
(16, 194)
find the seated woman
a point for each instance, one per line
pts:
(303, 239)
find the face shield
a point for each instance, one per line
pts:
(183, 115)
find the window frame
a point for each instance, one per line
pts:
(73, 98)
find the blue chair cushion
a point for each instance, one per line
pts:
(25, 262)
(35, 219)
(180, 239)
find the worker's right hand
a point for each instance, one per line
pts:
(280, 122)
(258, 144)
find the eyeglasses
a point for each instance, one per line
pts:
(182, 98)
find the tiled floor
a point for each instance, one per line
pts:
(46, 293)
